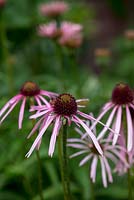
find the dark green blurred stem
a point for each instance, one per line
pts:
(39, 175)
(92, 195)
(6, 55)
(73, 65)
(130, 190)
(38, 161)
(62, 147)
(62, 70)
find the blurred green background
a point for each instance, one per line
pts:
(37, 59)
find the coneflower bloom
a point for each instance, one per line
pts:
(71, 34)
(64, 107)
(28, 90)
(122, 101)
(48, 30)
(53, 9)
(87, 149)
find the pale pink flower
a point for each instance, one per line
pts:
(28, 90)
(53, 9)
(64, 107)
(48, 30)
(122, 101)
(71, 34)
(120, 167)
(110, 153)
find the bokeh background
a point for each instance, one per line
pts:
(31, 57)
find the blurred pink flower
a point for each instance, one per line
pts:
(48, 30)
(120, 167)
(110, 152)
(63, 107)
(2, 3)
(54, 8)
(71, 34)
(122, 100)
(29, 89)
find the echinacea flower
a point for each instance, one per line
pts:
(70, 34)
(53, 9)
(28, 90)
(63, 107)
(122, 101)
(87, 149)
(48, 30)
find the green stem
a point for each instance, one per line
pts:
(92, 190)
(62, 140)
(6, 55)
(39, 175)
(39, 162)
(130, 193)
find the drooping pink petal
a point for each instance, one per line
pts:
(35, 128)
(38, 100)
(38, 138)
(55, 132)
(76, 140)
(39, 114)
(108, 169)
(103, 172)
(120, 156)
(49, 94)
(84, 160)
(129, 129)
(101, 115)
(78, 153)
(111, 157)
(92, 136)
(108, 123)
(117, 124)
(43, 100)
(93, 168)
(11, 108)
(10, 103)
(21, 114)
(77, 146)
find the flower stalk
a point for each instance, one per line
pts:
(62, 144)
(38, 161)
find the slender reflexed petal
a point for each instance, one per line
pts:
(108, 169)
(21, 114)
(91, 135)
(10, 103)
(108, 123)
(87, 158)
(49, 94)
(11, 108)
(103, 170)
(38, 138)
(77, 146)
(101, 115)
(35, 128)
(43, 100)
(39, 114)
(93, 168)
(38, 100)
(117, 124)
(55, 132)
(78, 153)
(130, 129)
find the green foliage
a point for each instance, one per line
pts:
(39, 59)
